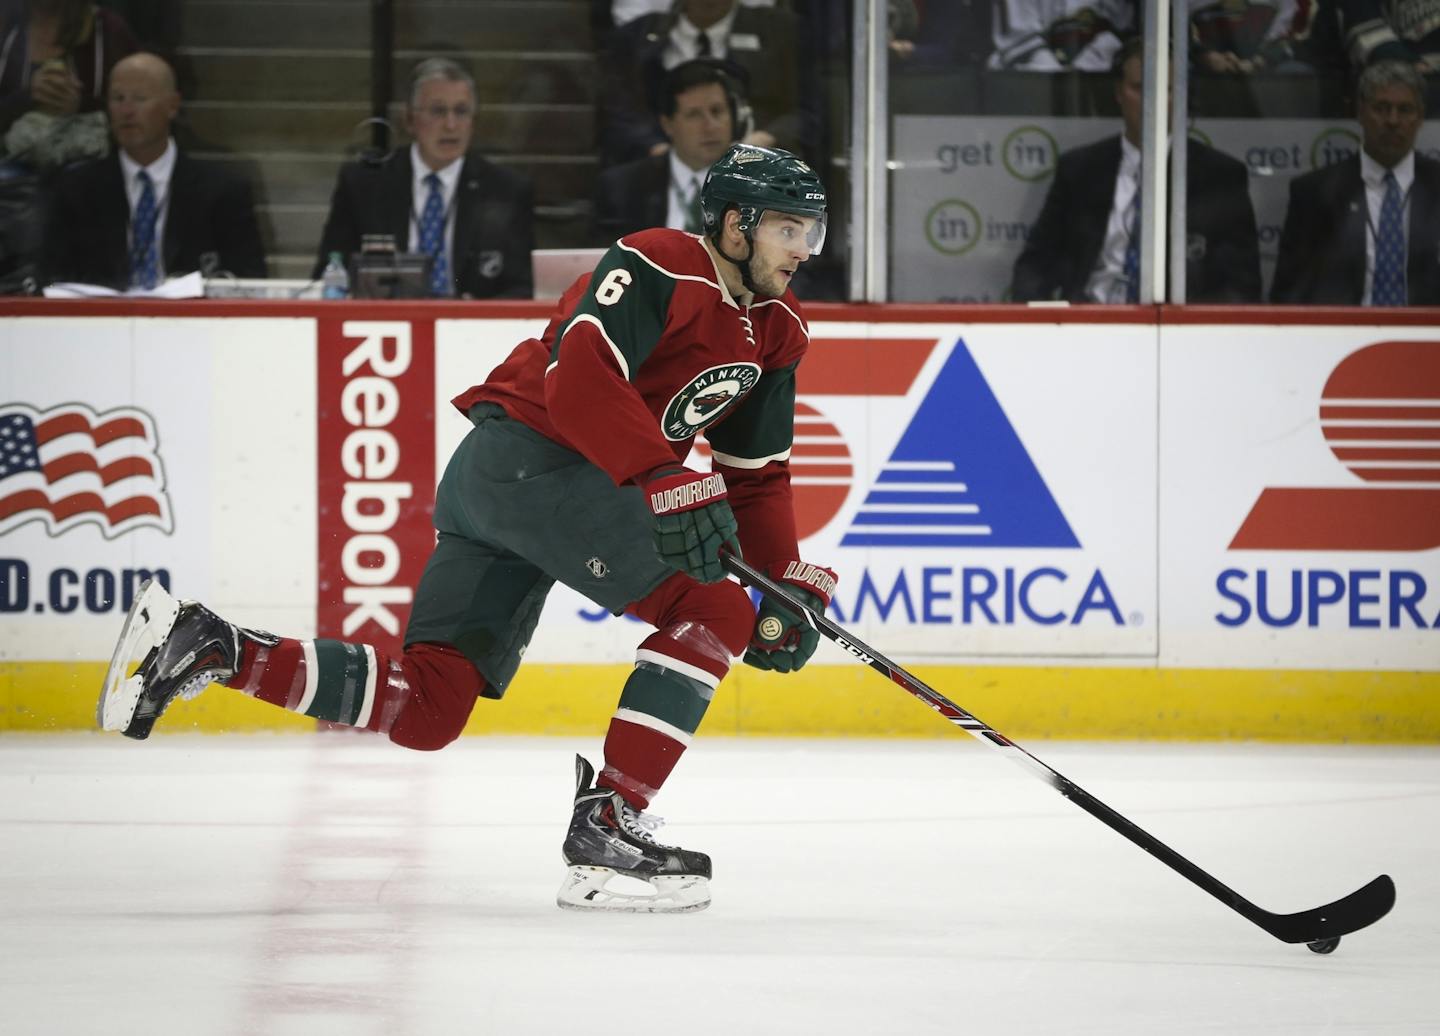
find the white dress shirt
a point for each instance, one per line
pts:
(684, 42)
(682, 180)
(1107, 281)
(1372, 174)
(160, 172)
(622, 11)
(420, 193)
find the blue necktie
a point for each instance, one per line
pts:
(144, 263)
(1388, 288)
(432, 237)
(1132, 251)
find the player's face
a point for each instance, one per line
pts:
(141, 103)
(1389, 121)
(441, 121)
(782, 242)
(701, 128)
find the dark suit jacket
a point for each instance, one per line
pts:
(209, 223)
(1222, 243)
(1322, 245)
(770, 59)
(630, 197)
(493, 211)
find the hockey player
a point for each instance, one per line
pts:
(574, 471)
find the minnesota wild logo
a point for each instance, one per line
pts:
(705, 398)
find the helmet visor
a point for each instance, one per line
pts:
(791, 230)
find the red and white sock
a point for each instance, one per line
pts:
(660, 708)
(420, 699)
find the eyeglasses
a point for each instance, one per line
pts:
(439, 111)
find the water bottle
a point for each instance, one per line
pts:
(334, 282)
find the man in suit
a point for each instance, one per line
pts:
(149, 210)
(698, 113)
(439, 197)
(1084, 247)
(762, 42)
(1366, 231)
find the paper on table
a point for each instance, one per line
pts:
(189, 286)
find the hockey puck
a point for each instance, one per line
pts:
(1324, 945)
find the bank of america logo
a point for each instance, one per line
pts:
(959, 476)
(69, 465)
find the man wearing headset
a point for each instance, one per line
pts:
(702, 112)
(764, 43)
(574, 470)
(439, 197)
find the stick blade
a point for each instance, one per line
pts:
(1360, 909)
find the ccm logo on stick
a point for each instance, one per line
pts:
(867, 659)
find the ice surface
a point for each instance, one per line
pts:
(276, 885)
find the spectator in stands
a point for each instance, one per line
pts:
(830, 24)
(622, 11)
(1058, 35)
(1084, 247)
(1366, 230)
(1392, 30)
(903, 25)
(699, 113)
(1242, 39)
(761, 42)
(55, 56)
(150, 210)
(439, 197)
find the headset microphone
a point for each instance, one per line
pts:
(374, 154)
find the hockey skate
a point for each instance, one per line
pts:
(611, 840)
(186, 648)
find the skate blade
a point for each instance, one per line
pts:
(151, 618)
(585, 889)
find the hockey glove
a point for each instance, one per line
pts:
(782, 641)
(692, 521)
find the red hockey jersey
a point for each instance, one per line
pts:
(650, 350)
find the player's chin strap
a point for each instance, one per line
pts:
(743, 265)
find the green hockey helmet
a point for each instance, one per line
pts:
(760, 179)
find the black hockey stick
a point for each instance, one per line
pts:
(1319, 928)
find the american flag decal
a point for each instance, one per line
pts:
(69, 465)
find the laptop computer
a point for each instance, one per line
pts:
(555, 269)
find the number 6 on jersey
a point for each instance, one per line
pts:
(612, 287)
